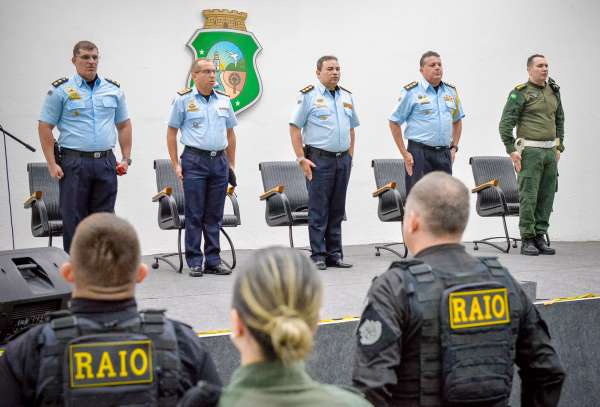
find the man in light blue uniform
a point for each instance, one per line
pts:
(206, 120)
(433, 115)
(86, 108)
(324, 120)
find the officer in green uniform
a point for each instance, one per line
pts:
(535, 109)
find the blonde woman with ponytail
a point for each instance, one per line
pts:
(275, 309)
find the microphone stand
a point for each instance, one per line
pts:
(27, 146)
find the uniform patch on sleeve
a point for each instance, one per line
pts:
(373, 333)
(513, 96)
(475, 308)
(98, 364)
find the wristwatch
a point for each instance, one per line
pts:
(128, 160)
(455, 147)
(300, 159)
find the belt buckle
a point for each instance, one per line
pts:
(213, 153)
(338, 154)
(97, 154)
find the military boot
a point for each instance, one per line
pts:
(542, 246)
(528, 248)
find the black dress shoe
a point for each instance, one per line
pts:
(320, 264)
(528, 248)
(542, 246)
(219, 270)
(339, 264)
(196, 271)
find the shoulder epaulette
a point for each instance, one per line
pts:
(184, 91)
(307, 89)
(553, 85)
(449, 84)
(344, 89)
(59, 82)
(411, 85)
(520, 86)
(117, 84)
(221, 92)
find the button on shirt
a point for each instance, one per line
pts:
(85, 117)
(428, 114)
(203, 123)
(325, 121)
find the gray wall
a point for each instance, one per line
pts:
(573, 326)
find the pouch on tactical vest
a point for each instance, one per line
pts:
(133, 363)
(470, 324)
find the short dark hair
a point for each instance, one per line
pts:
(105, 251)
(531, 58)
(427, 55)
(87, 45)
(323, 59)
(442, 201)
(196, 64)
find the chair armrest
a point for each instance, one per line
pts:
(36, 196)
(386, 187)
(486, 185)
(234, 204)
(273, 191)
(165, 192)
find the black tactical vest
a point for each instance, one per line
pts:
(87, 363)
(468, 335)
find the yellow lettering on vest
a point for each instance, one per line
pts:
(475, 314)
(106, 365)
(123, 363)
(486, 300)
(83, 360)
(138, 354)
(498, 308)
(458, 308)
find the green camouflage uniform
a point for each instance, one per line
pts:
(538, 114)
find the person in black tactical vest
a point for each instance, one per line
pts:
(103, 351)
(444, 328)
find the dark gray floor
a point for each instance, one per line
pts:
(204, 302)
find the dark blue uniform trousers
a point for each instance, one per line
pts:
(427, 159)
(326, 205)
(205, 188)
(89, 185)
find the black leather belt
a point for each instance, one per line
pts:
(324, 153)
(426, 147)
(87, 154)
(206, 153)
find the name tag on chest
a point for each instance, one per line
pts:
(98, 364)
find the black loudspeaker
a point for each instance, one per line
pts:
(30, 287)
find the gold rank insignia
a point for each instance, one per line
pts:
(348, 105)
(469, 309)
(192, 106)
(76, 113)
(307, 89)
(411, 85)
(72, 93)
(119, 363)
(184, 91)
(59, 82)
(520, 86)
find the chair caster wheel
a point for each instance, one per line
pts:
(475, 247)
(377, 253)
(155, 265)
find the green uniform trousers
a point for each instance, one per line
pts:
(537, 185)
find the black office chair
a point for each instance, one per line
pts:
(497, 195)
(391, 192)
(171, 212)
(286, 196)
(46, 220)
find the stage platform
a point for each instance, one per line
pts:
(204, 302)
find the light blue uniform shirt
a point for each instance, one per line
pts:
(428, 114)
(85, 117)
(325, 122)
(203, 124)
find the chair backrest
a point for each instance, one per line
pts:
(290, 175)
(486, 168)
(40, 180)
(165, 177)
(389, 170)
